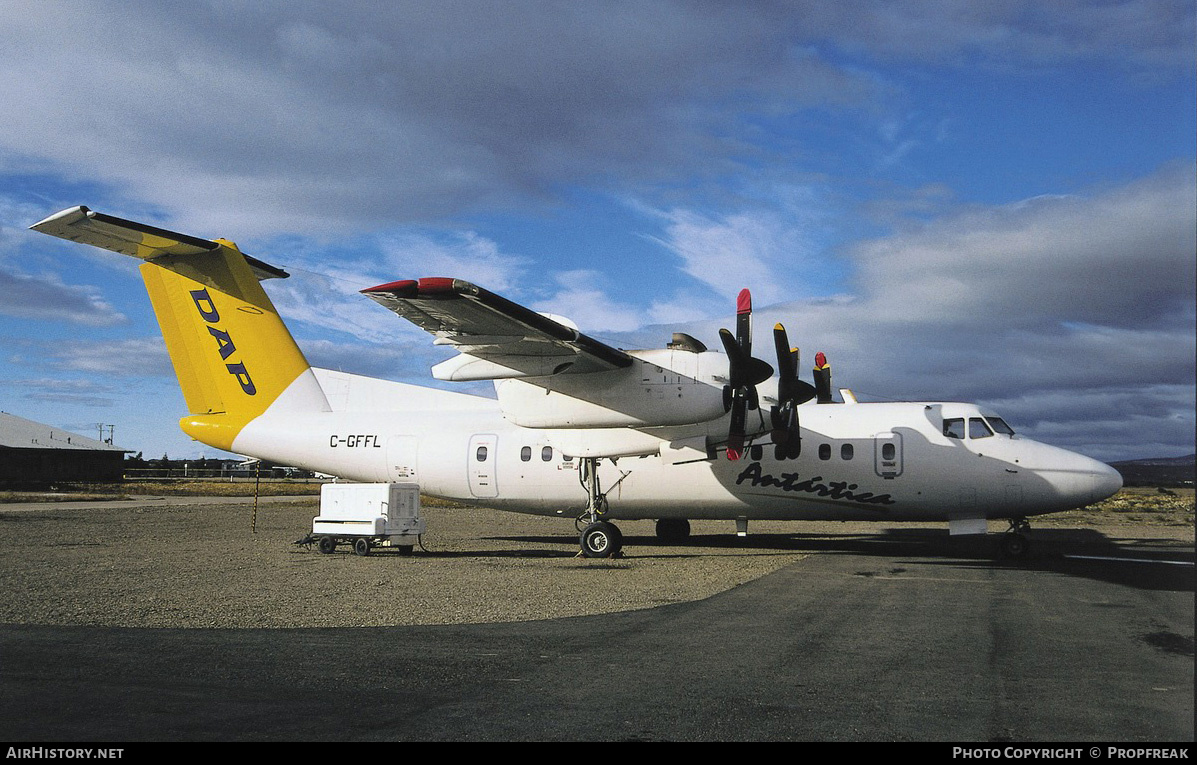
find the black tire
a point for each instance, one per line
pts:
(601, 540)
(326, 545)
(673, 530)
(361, 546)
(1015, 546)
(406, 549)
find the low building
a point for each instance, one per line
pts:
(33, 454)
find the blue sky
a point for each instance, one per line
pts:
(989, 202)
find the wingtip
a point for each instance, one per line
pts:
(64, 217)
(410, 288)
(401, 287)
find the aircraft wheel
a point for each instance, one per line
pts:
(1015, 545)
(601, 540)
(327, 545)
(673, 530)
(361, 546)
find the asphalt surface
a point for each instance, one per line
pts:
(898, 637)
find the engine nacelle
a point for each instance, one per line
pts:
(662, 388)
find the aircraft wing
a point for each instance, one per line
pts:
(496, 337)
(79, 224)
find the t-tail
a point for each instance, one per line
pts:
(234, 357)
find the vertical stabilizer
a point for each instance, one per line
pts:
(234, 357)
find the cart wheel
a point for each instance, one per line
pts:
(406, 549)
(327, 545)
(361, 546)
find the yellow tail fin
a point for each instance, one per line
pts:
(232, 353)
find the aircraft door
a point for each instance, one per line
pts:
(483, 461)
(887, 454)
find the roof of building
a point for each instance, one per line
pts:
(19, 433)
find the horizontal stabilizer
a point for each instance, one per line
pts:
(79, 224)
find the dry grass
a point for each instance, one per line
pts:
(1139, 506)
(241, 487)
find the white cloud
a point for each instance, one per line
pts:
(583, 299)
(309, 122)
(1122, 258)
(772, 250)
(1140, 33)
(132, 357)
(84, 392)
(327, 278)
(46, 298)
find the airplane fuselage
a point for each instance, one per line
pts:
(887, 461)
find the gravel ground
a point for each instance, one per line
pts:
(158, 563)
(201, 565)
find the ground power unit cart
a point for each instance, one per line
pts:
(367, 515)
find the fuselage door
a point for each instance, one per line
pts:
(483, 460)
(887, 454)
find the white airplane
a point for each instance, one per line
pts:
(579, 428)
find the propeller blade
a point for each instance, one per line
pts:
(787, 357)
(822, 373)
(743, 369)
(791, 391)
(787, 363)
(735, 435)
(744, 373)
(735, 355)
(744, 321)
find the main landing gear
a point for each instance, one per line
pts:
(1014, 543)
(673, 530)
(599, 538)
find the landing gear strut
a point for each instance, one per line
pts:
(1014, 543)
(598, 538)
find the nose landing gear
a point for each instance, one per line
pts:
(1014, 543)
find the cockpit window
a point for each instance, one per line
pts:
(978, 429)
(954, 428)
(999, 425)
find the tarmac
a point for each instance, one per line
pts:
(901, 635)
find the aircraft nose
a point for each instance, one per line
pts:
(1070, 480)
(1106, 481)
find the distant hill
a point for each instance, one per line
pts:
(1159, 471)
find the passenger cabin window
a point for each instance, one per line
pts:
(978, 429)
(824, 451)
(954, 428)
(846, 452)
(481, 454)
(546, 453)
(888, 451)
(999, 425)
(526, 453)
